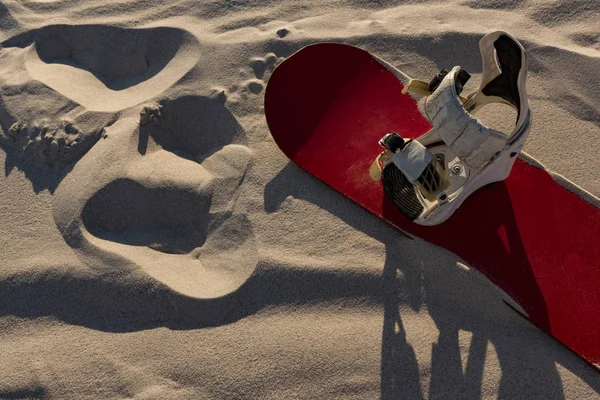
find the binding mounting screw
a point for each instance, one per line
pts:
(457, 169)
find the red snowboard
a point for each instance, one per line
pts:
(329, 104)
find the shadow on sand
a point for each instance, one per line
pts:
(430, 278)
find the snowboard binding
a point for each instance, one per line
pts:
(428, 178)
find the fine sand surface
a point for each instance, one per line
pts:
(156, 244)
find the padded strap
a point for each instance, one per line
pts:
(473, 142)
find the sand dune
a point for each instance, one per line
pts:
(157, 244)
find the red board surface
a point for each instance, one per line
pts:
(329, 104)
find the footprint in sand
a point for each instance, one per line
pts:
(105, 68)
(162, 198)
(259, 71)
(261, 68)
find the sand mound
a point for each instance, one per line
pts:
(42, 133)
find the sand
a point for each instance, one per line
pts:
(156, 244)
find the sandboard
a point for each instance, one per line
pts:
(328, 105)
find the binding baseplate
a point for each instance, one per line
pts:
(467, 154)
